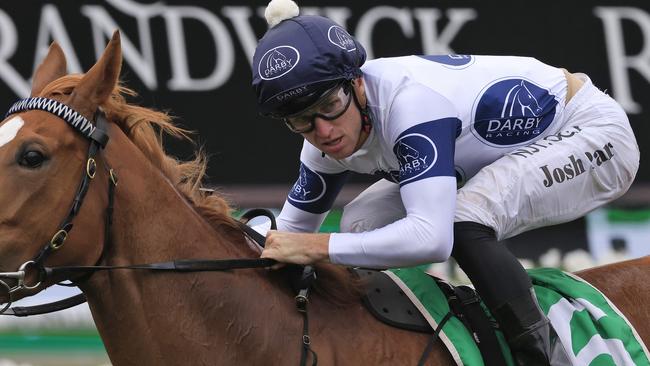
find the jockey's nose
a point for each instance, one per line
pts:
(322, 127)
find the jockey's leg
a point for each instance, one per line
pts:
(495, 272)
(590, 161)
(506, 290)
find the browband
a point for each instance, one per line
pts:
(72, 117)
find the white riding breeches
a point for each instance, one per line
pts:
(592, 160)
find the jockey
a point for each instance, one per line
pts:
(471, 149)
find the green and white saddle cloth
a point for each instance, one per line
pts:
(593, 331)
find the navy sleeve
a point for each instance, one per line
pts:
(315, 192)
(427, 150)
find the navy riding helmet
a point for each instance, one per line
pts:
(301, 58)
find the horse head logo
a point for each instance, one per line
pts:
(520, 97)
(405, 152)
(302, 179)
(277, 62)
(340, 38)
(277, 58)
(343, 38)
(513, 111)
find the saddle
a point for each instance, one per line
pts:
(385, 300)
(388, 303)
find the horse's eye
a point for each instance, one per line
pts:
(31, 159)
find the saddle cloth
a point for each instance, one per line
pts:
(591, 328)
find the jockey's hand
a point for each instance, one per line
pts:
(297, 248)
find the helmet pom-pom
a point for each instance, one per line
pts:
(279, 10)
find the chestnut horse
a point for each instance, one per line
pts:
(238, 317)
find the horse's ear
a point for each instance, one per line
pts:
(52, 68)
(98, 83)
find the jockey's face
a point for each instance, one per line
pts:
(341, 137)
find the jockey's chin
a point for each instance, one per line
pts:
(338, 148)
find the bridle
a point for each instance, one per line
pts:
(98, 138)
(95, 133)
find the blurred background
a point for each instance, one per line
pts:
(192, 58)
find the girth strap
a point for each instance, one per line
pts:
(466, 305)
(432, 340)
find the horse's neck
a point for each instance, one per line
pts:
(162, 318)
(152, 215)
(163, 224)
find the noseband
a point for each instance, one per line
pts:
(98, 138)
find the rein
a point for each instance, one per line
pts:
(98, 140)
(181, 265)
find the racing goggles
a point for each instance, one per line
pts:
(330, 107)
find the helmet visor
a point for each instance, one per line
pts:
(329, 107)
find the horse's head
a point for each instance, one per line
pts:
(46, 163)
(276, 59)
(527, 100)
(407, 152)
